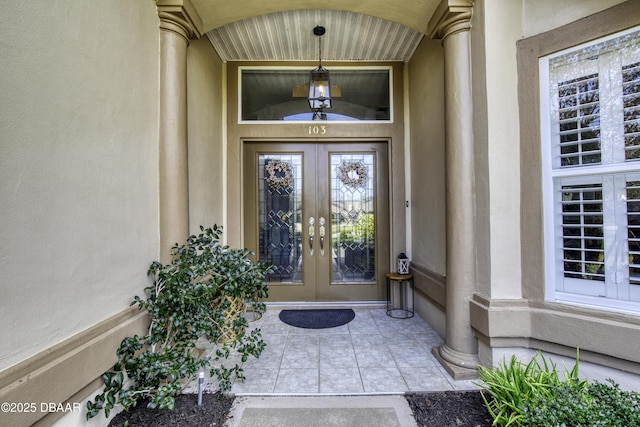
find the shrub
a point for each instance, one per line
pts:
(506, 388)
(533, 395)
(201, 294)
(597, 404)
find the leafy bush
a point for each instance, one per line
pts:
(596, 405)
(533, 395)
(195, 296)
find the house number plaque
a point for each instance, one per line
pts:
(317, 129)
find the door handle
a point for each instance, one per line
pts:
(311, 235)
(321, 231)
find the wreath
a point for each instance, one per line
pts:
(279, 174)
(353, 174)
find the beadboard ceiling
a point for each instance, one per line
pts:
(288, 36)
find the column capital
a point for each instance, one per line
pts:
(179, 16)
(450, 17)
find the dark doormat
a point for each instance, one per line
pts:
(317, 318)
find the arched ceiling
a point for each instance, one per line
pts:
(414, 14)
(282, 30)
(288, 36)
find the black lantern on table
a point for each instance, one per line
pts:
(319, 84)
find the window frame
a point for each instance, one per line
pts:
(554, 176)
(307, 69)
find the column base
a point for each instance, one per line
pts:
(461, 366)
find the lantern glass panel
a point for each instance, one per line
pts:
(319, 89)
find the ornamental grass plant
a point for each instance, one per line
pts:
(534, 394)
(507, 388)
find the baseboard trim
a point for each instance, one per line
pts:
(60, 372)
(432, 285)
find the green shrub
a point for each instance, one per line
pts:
(533, 395)
(594, 405)
(506, 388)
(200, 294)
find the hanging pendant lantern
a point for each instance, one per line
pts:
(319, 84)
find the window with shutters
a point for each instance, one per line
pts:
(590, 118)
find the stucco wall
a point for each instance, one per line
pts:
(78, 166)
(206, 148)
(539, 16)
(496, 132)
(427, 180)
(428, 210)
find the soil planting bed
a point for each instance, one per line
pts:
(213, 413)
(442, 409)
(449, 409)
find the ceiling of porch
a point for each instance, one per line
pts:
(411, 13)
(282, 30)
(288, 36)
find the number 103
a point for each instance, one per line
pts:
(317, 130)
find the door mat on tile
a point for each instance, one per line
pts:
(317, 318)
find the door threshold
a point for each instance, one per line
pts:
(289, 305)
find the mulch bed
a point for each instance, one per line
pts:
(449, 409)
(441, 409)
(213, 413)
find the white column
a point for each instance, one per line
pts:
(451, 23)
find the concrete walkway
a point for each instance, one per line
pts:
(325, 411)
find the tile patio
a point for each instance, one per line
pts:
(373, 354)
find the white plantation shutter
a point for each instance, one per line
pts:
(633, 231)
(631, 112)
(579, 121)
(591, 143)
(583, 232)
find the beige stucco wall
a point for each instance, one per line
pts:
(428, 215)
(427, 180)
(539, 16)
(205, 131)
(78, 166)
(496, 131)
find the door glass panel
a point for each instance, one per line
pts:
(352, 217)
(280, 215)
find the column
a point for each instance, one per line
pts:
(451, 23)
(179, 22)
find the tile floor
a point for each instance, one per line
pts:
(373, 354)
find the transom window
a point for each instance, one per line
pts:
(590, 116)
(280, 94)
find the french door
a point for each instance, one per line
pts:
(318, 212)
